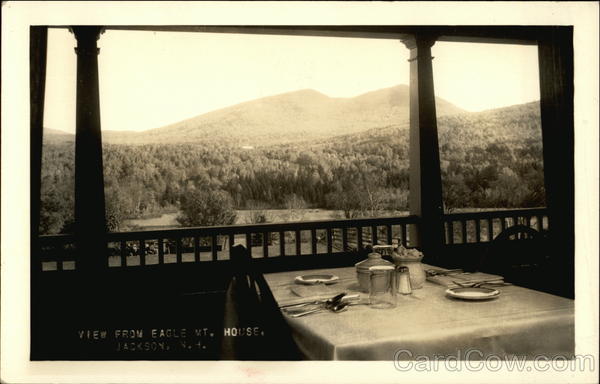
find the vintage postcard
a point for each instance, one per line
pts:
(299, 192)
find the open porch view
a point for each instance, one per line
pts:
(178, 294)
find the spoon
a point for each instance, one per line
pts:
(331, 303)
(326, 303)
(336, 308)
(340, 307)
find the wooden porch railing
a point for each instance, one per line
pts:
(479, 227)
(201, 244)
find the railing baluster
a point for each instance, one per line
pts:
(142, 252)
(59, 266)
(345, 239)
(197, 249)
(540, 223)
(477, 231)
(298, 243)
(265, 243)
(388, 229)
(528, 220)
(249, 242)
(502, 223)
(161, 251)
(490, 226)
(450, 232)
(178, 249)
(374, 235)
(281, 243)
(213, 247)
(359, 238)
(329, 241)
(515, 220)
(403, 230)
(463, 226)
(123, 253)
(313, 241)
(231, 243)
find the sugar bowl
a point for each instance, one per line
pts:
(362, 268)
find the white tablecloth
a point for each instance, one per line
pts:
(520, 322)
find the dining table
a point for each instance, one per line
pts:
(428, 323)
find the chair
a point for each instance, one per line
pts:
(251, 308)
(519, 254)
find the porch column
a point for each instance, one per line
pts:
(555, 55)
(38, 46)
(425, 198)
(90, 227)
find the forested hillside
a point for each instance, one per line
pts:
(488, 159)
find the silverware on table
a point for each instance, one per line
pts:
(439, 272)
(312, 302)
(340, 297)
(334, 299)
(335, 304)
(493, 283)
(339, 307)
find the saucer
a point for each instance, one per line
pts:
(312, 279)
(471, 293)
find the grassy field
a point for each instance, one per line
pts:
(169, 220)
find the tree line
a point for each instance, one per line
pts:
(488, 160)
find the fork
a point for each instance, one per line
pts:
(477, 285)
(339, 307)
(336, 298)
(321, 301)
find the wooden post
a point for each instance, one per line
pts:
(90, 225)
(425, 179)
(38, 46)
(555, 55)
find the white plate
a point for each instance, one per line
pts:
(317, 278)
(479, 293)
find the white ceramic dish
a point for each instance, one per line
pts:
(321, 278)
(470, 293)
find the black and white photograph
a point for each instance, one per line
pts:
(292, 191)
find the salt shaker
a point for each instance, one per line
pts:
(403, 280)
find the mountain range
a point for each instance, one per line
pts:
(302, 115)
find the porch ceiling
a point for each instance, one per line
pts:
(502, 34)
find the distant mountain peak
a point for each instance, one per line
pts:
(301, 115)
(306, 91)
(301, 95)
(304, 114)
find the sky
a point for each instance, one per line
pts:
(152, 79)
